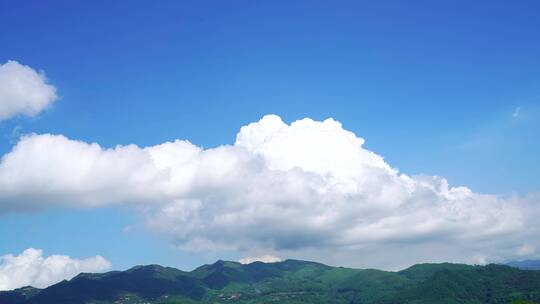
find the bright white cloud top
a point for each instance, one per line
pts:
(309, 190)
(263, 258)
(23, 91)
(30, 268)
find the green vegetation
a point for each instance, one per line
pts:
(291, 282)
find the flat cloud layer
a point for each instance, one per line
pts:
(305, 190)
(23, 91)
(30, 268)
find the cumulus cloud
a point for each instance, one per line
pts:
(308, 189)
(31, 268)
(263, 258)
(23, 90)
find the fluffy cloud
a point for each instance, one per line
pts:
(23, 91)
(30, 268)
(308, 190)
(262, 258)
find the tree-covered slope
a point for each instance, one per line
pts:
(19, 295)
(291, 281)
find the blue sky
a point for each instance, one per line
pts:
(434, 88)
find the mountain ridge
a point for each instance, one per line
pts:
(290, 281)
(525, 264)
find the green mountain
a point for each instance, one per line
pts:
(291, 281)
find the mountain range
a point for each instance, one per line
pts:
(290, 281)
(526, 264)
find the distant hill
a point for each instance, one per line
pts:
(527, 264)
(291, 281)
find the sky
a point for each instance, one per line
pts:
(182, 132)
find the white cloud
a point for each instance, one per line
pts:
(23, 91)
(263, 258)
(30, 268)
(305, 190)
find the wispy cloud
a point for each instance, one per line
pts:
(517, 112)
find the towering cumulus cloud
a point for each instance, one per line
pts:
(308, 189)
(30, 268)
(23, 91)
